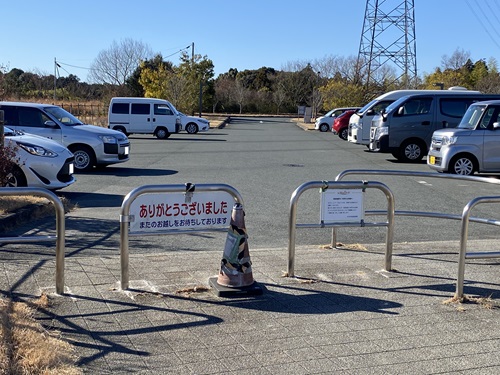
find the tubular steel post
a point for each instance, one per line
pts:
(60, 228)
(149, 189)
(459, 293)
(292, 226)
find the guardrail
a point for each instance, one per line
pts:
(125, 217)
(60, 228)
(465, 217)
(292, 224)
(463, 243)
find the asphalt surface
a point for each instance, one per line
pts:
(341, 314)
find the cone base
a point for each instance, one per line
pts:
(225, 291)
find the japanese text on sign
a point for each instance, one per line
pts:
(342, 206)
(168, 212)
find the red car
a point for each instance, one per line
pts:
(341, 124)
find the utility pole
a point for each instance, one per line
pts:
(388, 40)
(55, 79)
(56, 65)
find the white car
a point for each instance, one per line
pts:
(193, 125)
(39, 162)
(325, 123)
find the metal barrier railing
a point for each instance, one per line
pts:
(292, 224)
(60, 228)
(463, 243)
(125, 218)
(465, 217)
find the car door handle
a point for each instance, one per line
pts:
(426, 122)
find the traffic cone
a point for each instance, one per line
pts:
(235, 275)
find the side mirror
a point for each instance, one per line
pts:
(370, 112)
(50, 124)
(496, 125)
(401, 111)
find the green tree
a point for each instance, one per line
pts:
(342, 93)
(197, 73)
(134, 86)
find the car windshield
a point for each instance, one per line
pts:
(329, 113)
(472, 117)
(394, 105)
(8, 132)
(63, 116)
(367, 107)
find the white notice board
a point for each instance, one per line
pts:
(172, 211)
(342, 206)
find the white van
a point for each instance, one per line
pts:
(143, 116)
(360, 122)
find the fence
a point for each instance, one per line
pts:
(126, 218)
(60, 229)
(324, 185)
(465, 217)
(89, 113)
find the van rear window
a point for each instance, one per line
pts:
(120, 108)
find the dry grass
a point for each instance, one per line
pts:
(10, 204)
(27, 348)
(485, 302)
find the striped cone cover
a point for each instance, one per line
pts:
(236, 266)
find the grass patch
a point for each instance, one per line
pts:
(12, 203)
(28, 348)
(485, 302)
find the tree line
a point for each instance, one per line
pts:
(333, 81)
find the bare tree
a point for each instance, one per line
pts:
(240, 94)
(456, 60)
(116, 64)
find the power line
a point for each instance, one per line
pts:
(481, 23)
(87, 68)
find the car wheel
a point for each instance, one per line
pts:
(463, 165)
(121, 129)
(84, 158)
(162, 133)
(344, 134)
(16, 178)
(192, 128)
(411, 152)
(324, 128)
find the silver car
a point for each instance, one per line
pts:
(473, 146)
(38, 162)
(91, 145)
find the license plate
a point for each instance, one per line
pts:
(126, 150)
(432, 160)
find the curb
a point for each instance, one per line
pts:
(23, 215)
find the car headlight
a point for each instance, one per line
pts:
(108, 139)
(37, 150)
(448, 140)
(383, 130)
(354, 126)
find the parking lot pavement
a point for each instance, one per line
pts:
(341, 314)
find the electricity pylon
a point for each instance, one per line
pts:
(387, 51)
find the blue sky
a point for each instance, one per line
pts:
(246, 34)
